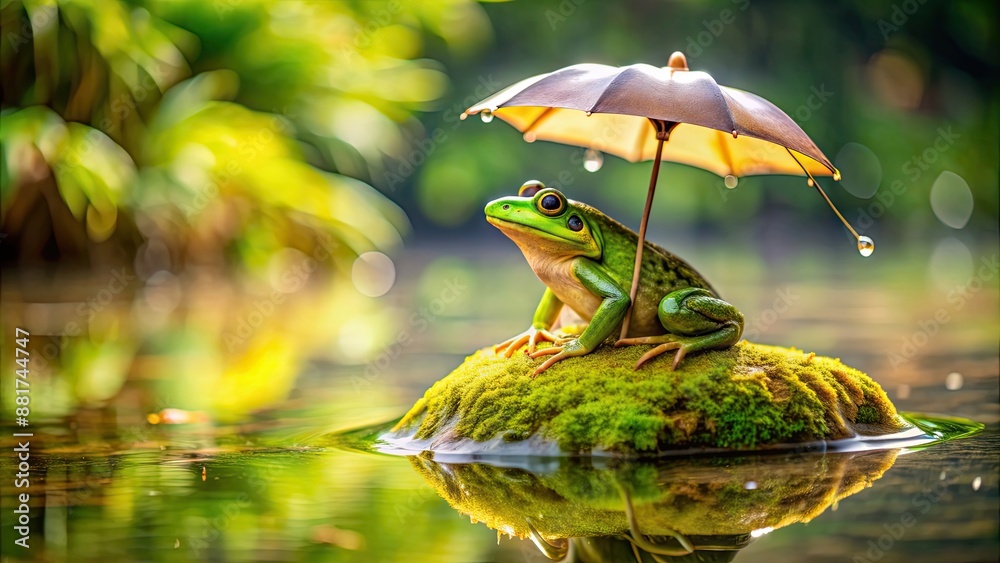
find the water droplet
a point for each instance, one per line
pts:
(731, 181)
(530, 137)
(593, 160)
(486, 115)
(463, 116)
(943, 475)
(836, 176)
(810, 182)
(866, 246)
(589, 114)
(750, 485)
(976, 483)
(954, 381)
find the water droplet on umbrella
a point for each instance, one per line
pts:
(866, 246)
(530, 137)
(731, 181)
(836, 176)
(588, 114)
(810, 183)
(486, 115)
(463, 116)
(953, 382)
(593, 160)
(976, 483)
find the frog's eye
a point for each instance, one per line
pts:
(551, 205)
(575, 223)
(530, 188)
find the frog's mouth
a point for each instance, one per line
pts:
(517, 230)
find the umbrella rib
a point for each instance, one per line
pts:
(725, 151)
(548, 111)
(823, 193)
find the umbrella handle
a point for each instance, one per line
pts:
(642, 235)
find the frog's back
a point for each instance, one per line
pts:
(662, 271)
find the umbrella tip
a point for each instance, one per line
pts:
(677, 61)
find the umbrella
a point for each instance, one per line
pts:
(642, 112)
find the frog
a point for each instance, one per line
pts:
(585, 259)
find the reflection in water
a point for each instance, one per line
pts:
(691, 509)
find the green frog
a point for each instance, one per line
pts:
(585, 259)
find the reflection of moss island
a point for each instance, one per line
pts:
(746, 396)
(692, 496)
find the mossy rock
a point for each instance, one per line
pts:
(745, 397)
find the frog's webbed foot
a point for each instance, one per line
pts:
(568, 349)
(726, 336)
(531, 337)
(682, 351)
(695, 321)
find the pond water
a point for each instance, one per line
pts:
(252, 473)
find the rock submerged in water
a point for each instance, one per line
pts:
(745, 397)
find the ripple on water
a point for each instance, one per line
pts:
(927, 430)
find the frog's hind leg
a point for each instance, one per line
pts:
(695, 321)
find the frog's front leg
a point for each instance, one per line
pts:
(545, 316)
(695, 321)
(609, 314)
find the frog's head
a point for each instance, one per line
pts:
(542, 221)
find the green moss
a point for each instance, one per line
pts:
(867, 414)
(739, 398)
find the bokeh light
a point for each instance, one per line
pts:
(863, 171)
(951, 199)
(373, 274)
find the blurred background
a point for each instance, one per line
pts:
(242, 224)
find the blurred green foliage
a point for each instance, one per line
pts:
(225, 130)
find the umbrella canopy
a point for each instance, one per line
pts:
(615, 110)
(632, 111)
